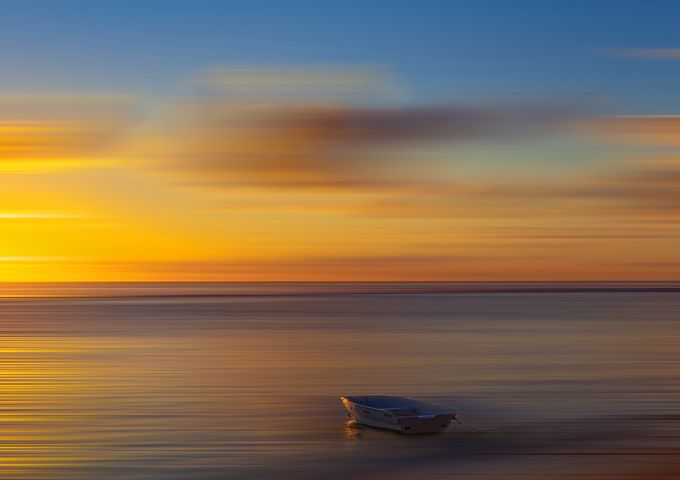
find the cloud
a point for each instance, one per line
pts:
(643, 53)
(653, 188)
(646, 130)
(309, 144)
(642, 190)
(298, 146)
(297, 129)
(42, 127)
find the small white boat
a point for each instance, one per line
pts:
(398, 413)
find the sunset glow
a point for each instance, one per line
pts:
(321, 172)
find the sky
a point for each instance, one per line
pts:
(374, 140)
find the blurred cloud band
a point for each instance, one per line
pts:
(325, 174)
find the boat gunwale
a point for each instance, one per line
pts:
(385, 411)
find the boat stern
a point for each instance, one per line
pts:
(425, 423)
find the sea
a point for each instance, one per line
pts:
(242, 381)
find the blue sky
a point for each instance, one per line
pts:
(437, 48)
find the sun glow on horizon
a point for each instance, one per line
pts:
(323, 186)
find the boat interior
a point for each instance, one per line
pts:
(398, 406)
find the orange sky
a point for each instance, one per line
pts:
(322, 187)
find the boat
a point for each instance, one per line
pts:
(398, 413)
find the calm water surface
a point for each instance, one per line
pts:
(580, 383)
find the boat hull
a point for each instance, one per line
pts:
(435, 424)
(400, 420)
